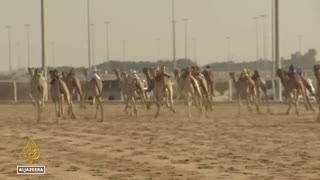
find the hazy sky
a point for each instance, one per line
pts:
(141, 22)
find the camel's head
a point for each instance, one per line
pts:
(31, 71)
(124, 75)
(54, 74)
(146, 71)
(85, 71)
(153, 72)
(232, 74)
(176, 73)
(72, 72)
(280, 73)
(316, 70)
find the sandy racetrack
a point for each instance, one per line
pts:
(170, 147)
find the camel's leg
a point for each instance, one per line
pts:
(135, 110)
(38, 111)
(170, 96)
(188, 103)
(73, 116)
(296, 98)
(97, 110)
(318, 110)
(306, 98)
(159, 98)
(99, 106)
(61, 106)
(258, 94)
(248, 95)
(290, 102)
(239, 102)
(32, 99)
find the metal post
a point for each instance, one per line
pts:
(93, 48)
(43, 50)
(9, 48)
(28, 42)
(257, 37)
(273, 53)
(89, 33)
(277, 47)
(173, 37)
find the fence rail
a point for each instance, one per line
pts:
(18, 91)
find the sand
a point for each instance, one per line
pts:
(223, 145)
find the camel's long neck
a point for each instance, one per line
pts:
(119, 79)
(148, 77)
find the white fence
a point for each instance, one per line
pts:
(19, 91)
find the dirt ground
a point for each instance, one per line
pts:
(224, 145)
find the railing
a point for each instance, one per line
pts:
(19, 91)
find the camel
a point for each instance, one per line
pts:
(260, 87)
(94, 87)
(208, 75)
(189, 88)
(293, 85)
(74, 85)
(316, 70)
(121, 82)
(245, 86)
(59, 93)
(203, 86)
(161, 85)
(39, 90)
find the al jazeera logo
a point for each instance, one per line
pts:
(31, 153)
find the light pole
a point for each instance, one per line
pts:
(28, 42)
(173, 37)
(89, 34)
(277, 47)
(257, 38)
(107, 40)
(263, 18)
(9, 48)
(93, 50)
(185, 37)
(53, 53)
(43, 50)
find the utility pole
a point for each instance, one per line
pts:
(9, 48)
(277, 47)
(93, 47)
(89, 34)
(43, 50)
(173, 37)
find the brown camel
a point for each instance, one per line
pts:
(59, 93)
(39, 90)
(189, 88)
(260, 87)
(74, 86)
(316, 70)
(161, 85)
(121, 82)
(208, 75)
(203, 86)
(245, 86)
(294, 85)
(94, 87)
